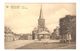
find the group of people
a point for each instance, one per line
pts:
(67, 38)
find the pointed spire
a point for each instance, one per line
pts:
(41, 13)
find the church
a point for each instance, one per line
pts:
(41, 32)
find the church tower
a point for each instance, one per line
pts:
(41, 32)
(41, 22)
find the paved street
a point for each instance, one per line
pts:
(48, 45)
(16, 44)
(34, 44)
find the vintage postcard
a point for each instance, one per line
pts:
(40, 26)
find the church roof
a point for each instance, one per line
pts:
(44, 32)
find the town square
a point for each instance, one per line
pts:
(40, 26)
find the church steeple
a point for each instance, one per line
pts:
(41, 13)
(41, 21)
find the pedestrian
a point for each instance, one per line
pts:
(69, 38)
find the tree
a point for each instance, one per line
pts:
(7, 30)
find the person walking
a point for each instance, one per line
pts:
(69, 38)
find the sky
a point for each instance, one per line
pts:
(23, 18)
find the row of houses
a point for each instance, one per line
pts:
(9, 35)
(27, 36)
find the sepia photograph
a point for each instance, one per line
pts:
(40, 26)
